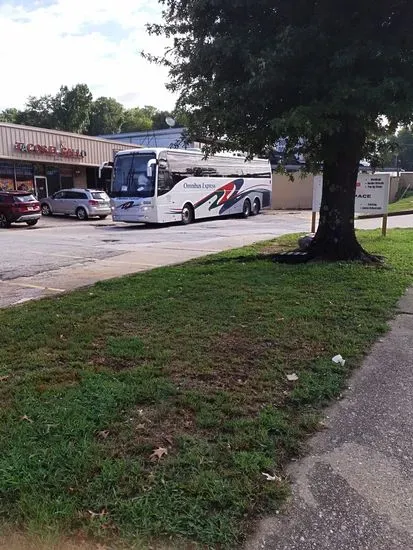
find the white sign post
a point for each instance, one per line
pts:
(372, 196)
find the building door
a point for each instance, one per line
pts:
(40, 187)
(53, 179)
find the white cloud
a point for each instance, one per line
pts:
(46, 46)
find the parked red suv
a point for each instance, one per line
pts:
(18, 207)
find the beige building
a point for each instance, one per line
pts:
(298, 194)
(44, 161)
(290, 194)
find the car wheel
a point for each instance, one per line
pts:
(4, 222)
(102, 217)
(81, 214)
(246, 209)
(32, 222)
(188, 214)
(256, 207)
(46, 211)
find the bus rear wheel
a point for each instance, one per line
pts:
(256, 207)
(246, 209)
(188, 214)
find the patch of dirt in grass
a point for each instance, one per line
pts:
(274, 248)
(148, 428)
(17, 541)
(236, 366)
(100, 361)
(22, 542)
(57, 380)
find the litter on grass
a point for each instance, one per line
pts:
(269, 477)
(338, 359)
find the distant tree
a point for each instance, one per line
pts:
(39, 112)
(404, 141)
(140, 119)
(181, 117)
(106, 117)
(137, 120)
(10, 115)
(71, 108)
(159, 120)
(150, 111)
(330, 77)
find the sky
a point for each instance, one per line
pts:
(48, 43)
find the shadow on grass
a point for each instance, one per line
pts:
(288, 257)
(269, 257)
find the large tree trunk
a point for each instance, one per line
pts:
(335, 238)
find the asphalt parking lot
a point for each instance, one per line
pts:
(60, 254)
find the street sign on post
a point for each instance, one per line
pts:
(372, 196)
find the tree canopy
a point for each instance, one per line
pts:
(71, 108)
(74, 110)
(106, 117)
(330, 77)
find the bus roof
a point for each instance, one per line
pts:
(157, 150)
(189, 151)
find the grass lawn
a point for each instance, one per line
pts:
(147, 408)
(406, 203)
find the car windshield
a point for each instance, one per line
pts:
(130, 178)
(100, 196)
(24, 198)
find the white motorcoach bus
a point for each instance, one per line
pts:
(169, 185)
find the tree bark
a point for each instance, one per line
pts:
(335, 238)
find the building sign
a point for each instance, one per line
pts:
(62, 151)
(372, 193)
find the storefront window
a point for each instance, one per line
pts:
(6, 176)
(24, 177)
(39, 169)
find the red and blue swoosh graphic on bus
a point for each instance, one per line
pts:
(222, 196)
(227, 196)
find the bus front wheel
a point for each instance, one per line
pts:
(188, 214)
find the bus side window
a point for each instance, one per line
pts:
(165, 182)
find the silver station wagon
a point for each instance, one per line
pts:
(82, 203)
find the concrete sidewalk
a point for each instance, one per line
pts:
(354, 491)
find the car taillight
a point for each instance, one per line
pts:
(94, 203)
(22, 206)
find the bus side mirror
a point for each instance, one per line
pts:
(150, 168)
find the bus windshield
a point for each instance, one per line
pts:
(130, 178)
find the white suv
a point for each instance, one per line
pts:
(82, 203)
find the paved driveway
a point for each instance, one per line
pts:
(60, 254)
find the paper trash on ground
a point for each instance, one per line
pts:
(269, 477)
